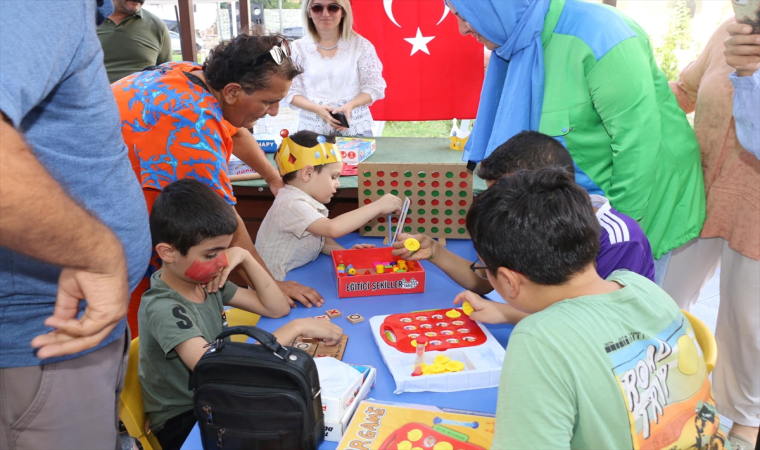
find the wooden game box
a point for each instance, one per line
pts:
(365, 284)
(440, 195)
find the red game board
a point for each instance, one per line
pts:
(428, 440)
(443, 332)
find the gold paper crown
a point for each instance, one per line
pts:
(292, 157)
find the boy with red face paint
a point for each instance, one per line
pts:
(183, 310)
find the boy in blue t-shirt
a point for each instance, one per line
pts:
(183, 310)
(597, 363)
(623, 244)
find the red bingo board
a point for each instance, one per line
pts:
(444, 328)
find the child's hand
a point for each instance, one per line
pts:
(320, 329)
(358, 246)
(235, 257)
(389, 203)
(425, 252)
(486, 311)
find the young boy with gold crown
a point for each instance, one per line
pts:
(296, 228)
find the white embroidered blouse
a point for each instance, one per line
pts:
(335, 81)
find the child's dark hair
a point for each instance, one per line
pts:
(538, 223)
(306, 138)
(528, 150)
(187, 212)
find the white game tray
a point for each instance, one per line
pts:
(482, 365)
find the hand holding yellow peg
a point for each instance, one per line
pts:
(412, 245)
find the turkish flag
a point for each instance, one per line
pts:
(432, 71)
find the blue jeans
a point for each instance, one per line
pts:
(661, 268)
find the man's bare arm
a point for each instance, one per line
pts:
(38, 219)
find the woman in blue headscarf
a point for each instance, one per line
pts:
(585, 74)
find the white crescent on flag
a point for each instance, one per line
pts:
(388, 6)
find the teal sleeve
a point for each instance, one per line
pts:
(171, 323)
(624, 96)
(536, 407)
(228, 291)
(165, 52)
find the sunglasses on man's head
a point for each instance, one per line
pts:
(332, 8)
(278, 53)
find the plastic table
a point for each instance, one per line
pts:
(440, 291)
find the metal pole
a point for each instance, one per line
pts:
(279, 3)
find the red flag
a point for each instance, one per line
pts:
(432, 71)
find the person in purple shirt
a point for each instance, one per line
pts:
(623, 244)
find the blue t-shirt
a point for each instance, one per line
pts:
(54, 89)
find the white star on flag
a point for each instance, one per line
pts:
(419, 42)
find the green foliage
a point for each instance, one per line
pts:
(437, 128)
(678, 37)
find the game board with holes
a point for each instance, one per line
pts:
(452, 336)
(390, 426)
(440, 194)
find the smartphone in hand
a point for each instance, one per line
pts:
(340, 117)
(748, 13)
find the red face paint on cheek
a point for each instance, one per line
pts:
(205, 271)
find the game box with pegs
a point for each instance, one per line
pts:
(367, 281)
(478, 358)
(440, 195)
(444, 329)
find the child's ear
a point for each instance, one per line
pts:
(307, 173)
(510, 280)
(166, 252)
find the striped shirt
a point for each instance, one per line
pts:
(623, 244)
(282, 240)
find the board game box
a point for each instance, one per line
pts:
(368, 281)
(355, 150)
(380, 425)
(460, 355)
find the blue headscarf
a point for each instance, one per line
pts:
(513, 90)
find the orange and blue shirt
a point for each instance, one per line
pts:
(174, 129)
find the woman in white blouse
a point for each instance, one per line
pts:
(342, 73)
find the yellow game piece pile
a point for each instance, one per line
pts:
(442, 364)
(415, 435)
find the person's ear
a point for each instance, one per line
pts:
(307, 173)
(166, 252)
(232, 93)
(511, 280)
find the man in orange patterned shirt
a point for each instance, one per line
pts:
(182, 120)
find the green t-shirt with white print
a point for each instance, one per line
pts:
(167, 319)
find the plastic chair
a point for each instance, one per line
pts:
(131, 407)
(705, 339)
(237, 317)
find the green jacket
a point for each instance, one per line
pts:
(607, 100)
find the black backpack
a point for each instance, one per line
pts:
(255, 397)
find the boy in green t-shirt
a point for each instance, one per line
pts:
(183, 310)
(598, 364)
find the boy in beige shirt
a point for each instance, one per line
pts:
(296, 228)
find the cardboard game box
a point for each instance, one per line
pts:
(237, 167)
(268, 142)
(335, 427)
(355, 150)
(379, 425)
(367, 281)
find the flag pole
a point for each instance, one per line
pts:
(279, 3)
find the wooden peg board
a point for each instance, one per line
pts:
(318, 349)
(440, 194)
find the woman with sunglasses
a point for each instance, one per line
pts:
(342, 73)
(184, 120)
